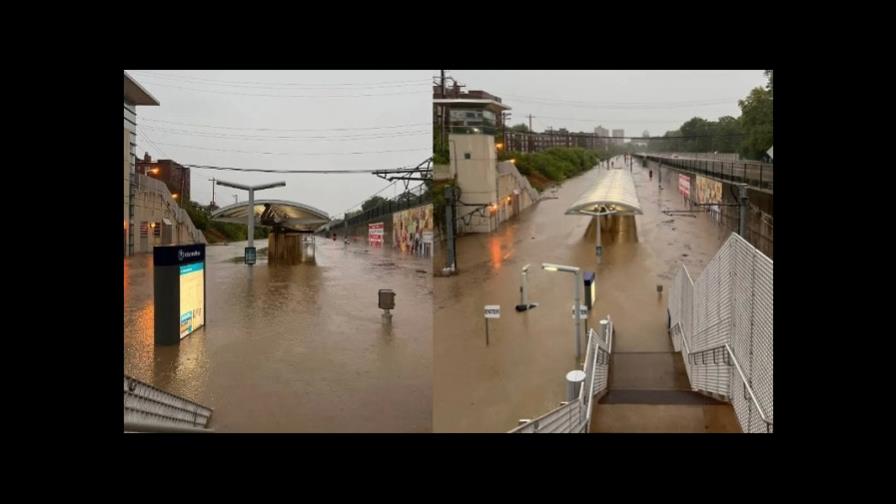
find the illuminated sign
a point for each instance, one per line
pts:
(178, 291)
(192, 298)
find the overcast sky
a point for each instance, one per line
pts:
(580, 100)
(205, 116)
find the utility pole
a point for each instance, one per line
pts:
(530, 122)
(213, 180)
(449, 227)
(442, 135)
(744, 205)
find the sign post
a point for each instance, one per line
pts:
(582, 315)
(178, 292)
(491, 311)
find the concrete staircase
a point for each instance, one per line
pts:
(649, 392)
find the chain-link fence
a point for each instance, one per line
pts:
(754, 173)
(722, 323)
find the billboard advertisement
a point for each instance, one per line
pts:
(411, 228)
(709, 192)
(192, 297)
(375, 233)
(684, 185)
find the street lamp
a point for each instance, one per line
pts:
(251, 212)
(524, 292)
(577, 272)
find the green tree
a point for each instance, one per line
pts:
(521, 127)
(728, 133)
(373, 202)
(756, 121)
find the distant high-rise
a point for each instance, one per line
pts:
(602, 133)
(618, 133)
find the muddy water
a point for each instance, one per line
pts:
(520, 374)
(296, 348)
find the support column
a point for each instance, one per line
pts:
(251, 217)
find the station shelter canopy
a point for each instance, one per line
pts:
(288, 215)
(613, 193)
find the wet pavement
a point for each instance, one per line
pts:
(520, 374)
(296, 348)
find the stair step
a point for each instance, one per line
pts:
(667, 396)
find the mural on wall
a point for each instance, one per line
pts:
(709, 192)
(412, 230)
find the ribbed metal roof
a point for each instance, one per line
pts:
(288, 214)
(612, 193)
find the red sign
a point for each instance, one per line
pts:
(684, 185)
(375, 233)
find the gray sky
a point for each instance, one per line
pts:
(205, 115)
(633, 100)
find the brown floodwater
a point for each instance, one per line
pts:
(296, 348)
(520, 374)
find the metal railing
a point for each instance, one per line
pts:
(149, 409)
(575, 416)
(409, 199)
(722, 323)
(754, 173)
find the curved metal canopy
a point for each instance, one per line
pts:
(288, 215)
(612, 194)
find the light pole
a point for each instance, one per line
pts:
(524, 292)
(577, 272)
(251, 212)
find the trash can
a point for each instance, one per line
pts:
(387, 299)
(590, 289)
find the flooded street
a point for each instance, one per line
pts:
(296, 348)
(520, 374)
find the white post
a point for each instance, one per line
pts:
(525, 300)
(251, 216)
(578, 280)
(574, 380)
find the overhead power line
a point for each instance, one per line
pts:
(274, 83)
(369, 136)
(267, 170)
(298, 153)
(233, 93)
(142, 118)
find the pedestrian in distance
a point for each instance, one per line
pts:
(651, 174)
